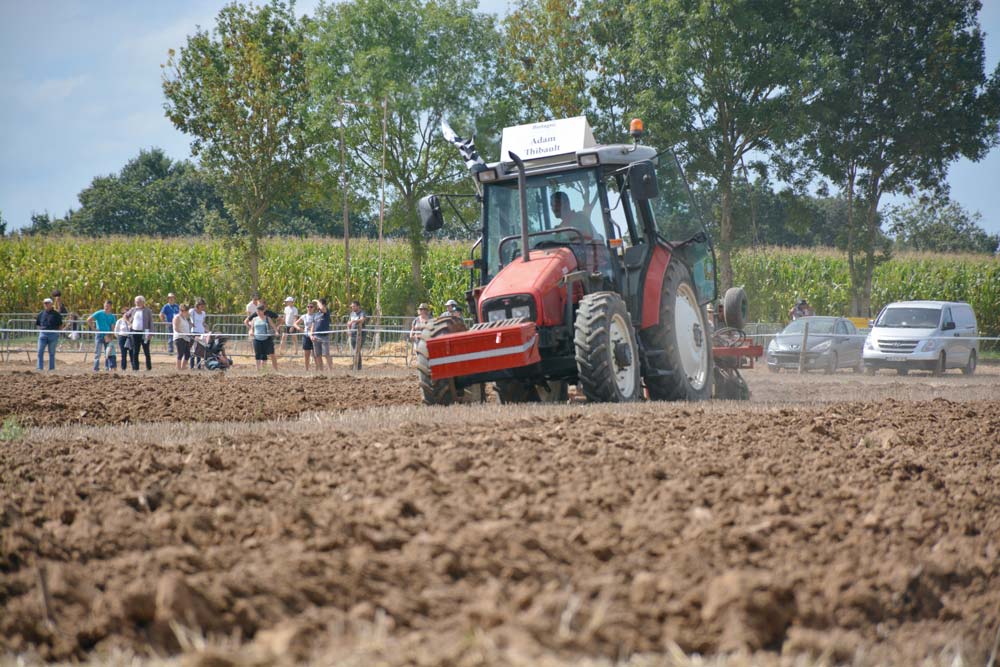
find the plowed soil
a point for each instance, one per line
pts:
(867, 532)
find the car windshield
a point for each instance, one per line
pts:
(555, 201)
(816, 326)
(909, 318)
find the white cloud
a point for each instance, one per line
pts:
(49, 91)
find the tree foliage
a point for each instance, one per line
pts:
(938, 225)
(905, 94)
(728, 79)
(426, 60)
(241, 92)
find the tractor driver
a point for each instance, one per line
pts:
(568, 218)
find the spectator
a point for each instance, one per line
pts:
(49, 322)
(304, 324)
(356, 324)
(320, 335)
(104, 339)
(140, 324)
(198, 317)
(122, 332)
(182, 327)
(264, 332)
(252, 306)
(801, 309)
(60, 307)
(420, 322)
(291, 315)
(453, 309)
(167, 314)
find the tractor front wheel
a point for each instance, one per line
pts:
(685, 339)
(607, 357)
(437, 392)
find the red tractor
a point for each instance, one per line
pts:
(576, 283)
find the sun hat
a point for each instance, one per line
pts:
(289, 298)
(170, 294)
(47, 301)
(451, 302)
(423, 306)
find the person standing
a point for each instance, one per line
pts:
(104, 339)
(263, 337)
(181, 325)
(420, 323)
(60, 307)
(252, 305)
(167, 314)
(198, 328)
(304, 324)
(49, 322)
(801, 309)
(320, 335)
(122, 332)
(291, 315)
(452, 309)
(140, 324)
(356, 327)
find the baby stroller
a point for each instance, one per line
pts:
(210, 349)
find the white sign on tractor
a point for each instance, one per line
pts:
(541, 140)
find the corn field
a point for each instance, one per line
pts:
(88, 271)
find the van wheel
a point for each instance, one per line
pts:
(970, 367)
(940, 368)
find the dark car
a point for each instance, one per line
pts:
(834, 342)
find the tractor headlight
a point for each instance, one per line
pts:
(510, 307)
(521, 311)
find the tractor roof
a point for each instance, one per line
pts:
(556, 144)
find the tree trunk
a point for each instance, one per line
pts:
(253, 261)
(726, 233)
(871, 234)
(417, 252)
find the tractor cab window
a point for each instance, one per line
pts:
(622, 210)
(563, 209)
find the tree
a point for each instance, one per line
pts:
(241, 92)
(428, 60)
(731, 79)
(546, 56)
(904, 96)
(939, 225)
(151, 195)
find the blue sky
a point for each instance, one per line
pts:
(81, 82)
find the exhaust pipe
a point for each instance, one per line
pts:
(522, 193)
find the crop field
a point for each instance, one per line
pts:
(248, 519)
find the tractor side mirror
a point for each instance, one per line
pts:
(429, 208)
(642, 181)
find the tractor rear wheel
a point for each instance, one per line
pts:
(437, 392)
(607, 357)
(685, 339)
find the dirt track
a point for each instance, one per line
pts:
(535, 534)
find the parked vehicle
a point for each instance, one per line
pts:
(924, 335)
(833, 342)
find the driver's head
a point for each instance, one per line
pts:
(560, 204)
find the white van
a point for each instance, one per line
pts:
(927, 335)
